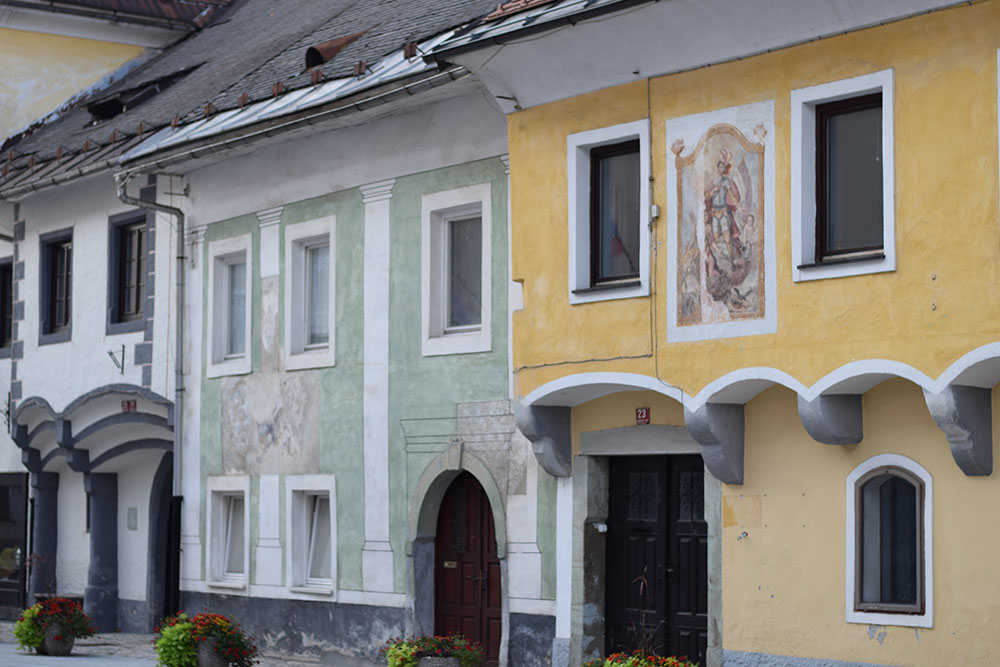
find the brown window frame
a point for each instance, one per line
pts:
(823, 113)
(597, 154)
(920, 606)
(132, 237)
(60, 308)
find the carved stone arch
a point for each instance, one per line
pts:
(434, 482)
(425, 504)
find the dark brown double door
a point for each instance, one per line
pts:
(466, 568)
(657, 570)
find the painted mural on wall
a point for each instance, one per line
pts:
(720, 210)
(720, 192)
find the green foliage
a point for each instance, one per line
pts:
(401, 652)
(65, 614)
(28, 632)
(640, 659)
(175, 647)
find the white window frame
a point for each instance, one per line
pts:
(298, 239)
(298, 491)
(578, 147)
(926, 619)
(219, 489)
(222, 254)
(803, 164)
(438, 209)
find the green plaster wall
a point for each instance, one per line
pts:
(423, 391)
(340, 386)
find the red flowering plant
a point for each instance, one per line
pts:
(405, 652)
(62, 613)
(640, 658)
(179, 637)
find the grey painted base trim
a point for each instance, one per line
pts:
(531, 638)
(337, 634)
(746, 659)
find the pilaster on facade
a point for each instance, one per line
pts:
(17, 330)
(270, 237)
(377, 560)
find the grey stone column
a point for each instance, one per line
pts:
(100, 598)
(45, 491)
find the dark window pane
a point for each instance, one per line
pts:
(6, 305)
(615, 218)
(851, 190)
(692, 497)
(465, 272)
(890, 539)
(643, 496)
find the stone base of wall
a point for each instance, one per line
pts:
(133, 616)
(531, 639)
(746, 659)
(343, 635)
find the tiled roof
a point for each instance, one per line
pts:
(234, 62)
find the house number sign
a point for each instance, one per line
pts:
(642, 415)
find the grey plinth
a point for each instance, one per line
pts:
(100, 598)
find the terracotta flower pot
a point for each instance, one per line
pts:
(207, 657)
(434, 661)
(53, 646)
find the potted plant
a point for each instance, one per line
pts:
(204, 640)
(51, 626)
(640, 658)
(437, 651)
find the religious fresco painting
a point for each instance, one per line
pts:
(720, 263)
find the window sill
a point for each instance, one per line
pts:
(230, 585)
(238, 366)
(128, 326)
(307, 359)
(469, 342)
(57, 337)
(843, 260)
(888, 618)
(607, 287)
(312, 590)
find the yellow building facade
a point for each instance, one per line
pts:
(41, 71)
(800, 380)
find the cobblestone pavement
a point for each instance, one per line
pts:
(133, 649)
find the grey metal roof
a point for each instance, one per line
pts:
(534, 19)
(253, 45)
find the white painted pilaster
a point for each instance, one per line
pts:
(270, 231)
(268, 571)
(377, 565)
(191, 547)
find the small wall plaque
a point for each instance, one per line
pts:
(451, 565)
(642, 415)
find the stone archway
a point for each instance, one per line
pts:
(425, 505)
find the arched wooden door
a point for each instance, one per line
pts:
(466, 567)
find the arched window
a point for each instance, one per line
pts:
(888, 542)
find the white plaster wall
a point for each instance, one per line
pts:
(73, 546)
(451, 132)
(134, 484)
(63, 371)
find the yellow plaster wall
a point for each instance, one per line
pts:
(40, 71)
(935, 307)
(783, 585)
(618, 410)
